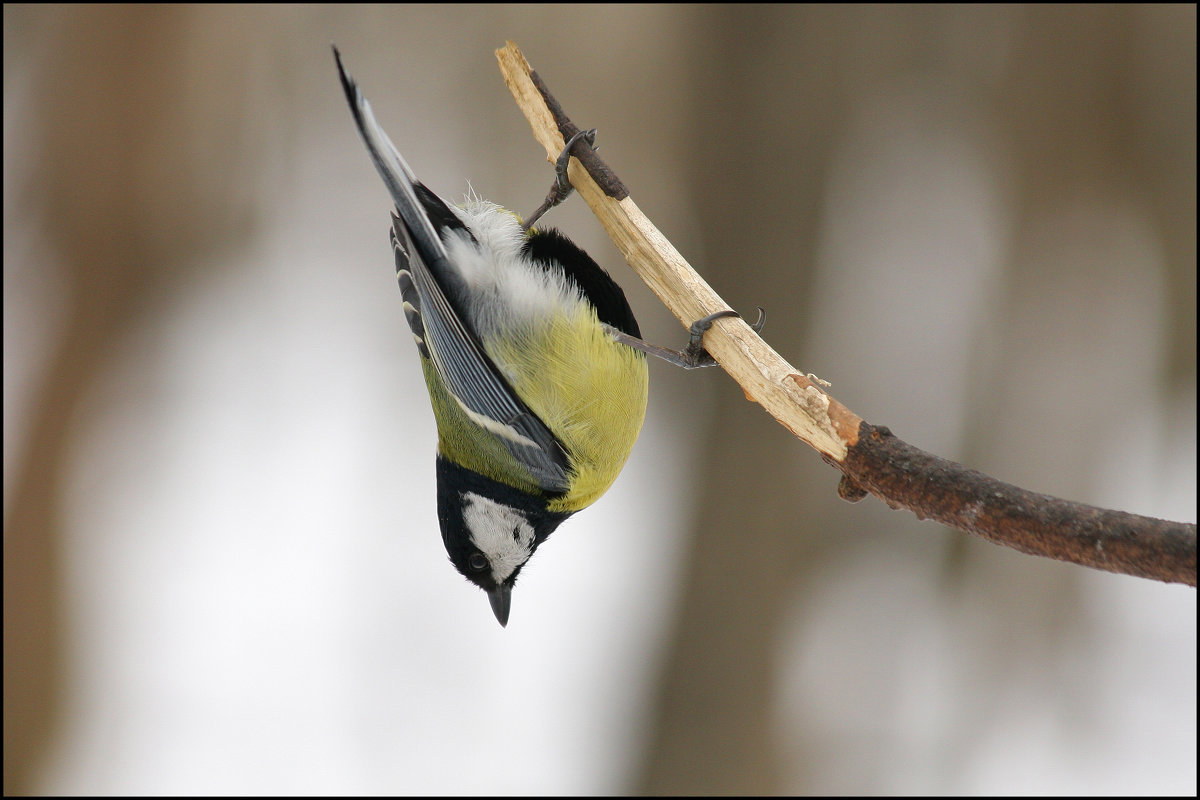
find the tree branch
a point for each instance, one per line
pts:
(871, 459)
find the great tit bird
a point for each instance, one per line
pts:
(537, 403)
(533, 360)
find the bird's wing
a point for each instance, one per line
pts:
(422, 265)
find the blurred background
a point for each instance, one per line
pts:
(222, 567)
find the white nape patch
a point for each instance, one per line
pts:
(509, 290)
(502, 533)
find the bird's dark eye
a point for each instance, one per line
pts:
(516, 533)
(477, 562)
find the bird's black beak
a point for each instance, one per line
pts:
(501, 599)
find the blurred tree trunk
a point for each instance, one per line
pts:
(761, 131)
(125, 209)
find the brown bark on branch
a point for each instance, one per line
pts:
(871, 459)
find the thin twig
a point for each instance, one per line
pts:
(871, 459)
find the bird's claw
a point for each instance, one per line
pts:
(694, 355)
(561, 189)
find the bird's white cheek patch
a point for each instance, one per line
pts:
(501, 533)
